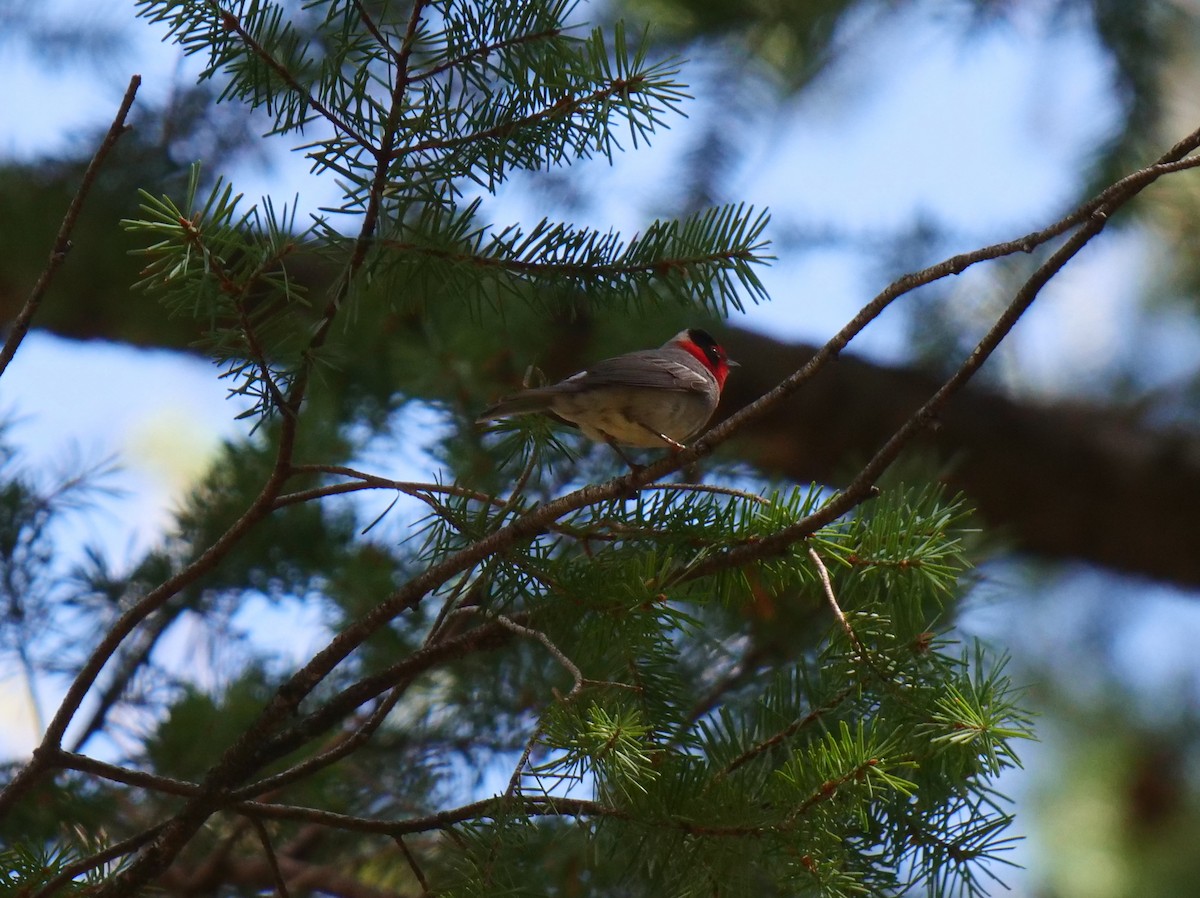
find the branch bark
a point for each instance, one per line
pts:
(62, 242)
(1060, 480)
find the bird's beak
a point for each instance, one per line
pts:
(730, 363)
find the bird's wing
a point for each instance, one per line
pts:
(650, 368)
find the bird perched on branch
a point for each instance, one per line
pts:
(650, 399)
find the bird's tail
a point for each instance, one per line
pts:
(526, 403)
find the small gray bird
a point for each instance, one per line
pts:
(649, 399)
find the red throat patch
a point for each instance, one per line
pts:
(720, 371)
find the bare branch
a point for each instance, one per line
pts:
(62, 241)
(264, 839)
(413, 865)
(707, 488)
(366, 481)
(398, 677)
(537, 806)
(823, 573)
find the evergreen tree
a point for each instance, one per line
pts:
(559, 677)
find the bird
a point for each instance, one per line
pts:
(649, 399)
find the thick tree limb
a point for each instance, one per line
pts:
(1063, 480)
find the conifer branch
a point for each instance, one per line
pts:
(538, 520)
(94, 861)
(373, 29)
(483, 52)
(530, 805)
(238, 290)
(233, 24)
(239, 760)
(714, 489)
(585, 269)
(787, 732)
(561, 109)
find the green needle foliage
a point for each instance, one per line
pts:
(526, 688)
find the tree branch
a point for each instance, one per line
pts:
(234, 24)
(1061, 480)
(264, 839)
(245, 754)
(62, 241)
(863, 483)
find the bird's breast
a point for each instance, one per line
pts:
(635, 417)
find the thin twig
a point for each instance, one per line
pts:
(62, 241)
(232, 22)
(786, 733)
(258, 352)
(514, 782)
(831, 598)
(413, 865)
(264, 839)
(519, 487)
(828, 790)
(68, 760)
(409, 487)
(531, 633)
(438, 629)
(342, 747)
(708, 488)
(373, 29)
(483, 51)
